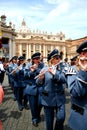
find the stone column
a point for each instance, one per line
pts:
(14, 47)
(64, 52)
(40, 48)
(20, 49)
(33, 48)
(51, 48)
(10, 49)
(44, 51)
(29, 54)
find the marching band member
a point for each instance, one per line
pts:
(74, 63)
(77, 84)
(32, 90)
(19, 84)
(12, 67)
(74, 60)
(53, 96)
(65, 63)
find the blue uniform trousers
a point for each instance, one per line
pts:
(22, 100)
(15, 93)
(60, 117)
(35, 108)
(13, 88)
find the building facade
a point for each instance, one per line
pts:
(29, 42)
(71, 46)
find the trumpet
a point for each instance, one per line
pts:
(40, 74)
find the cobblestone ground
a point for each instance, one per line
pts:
(12, 119)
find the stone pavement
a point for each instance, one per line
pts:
(13, 119)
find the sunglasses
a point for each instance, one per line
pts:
(36, 58)
(57, 57)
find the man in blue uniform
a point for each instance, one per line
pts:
(19, 84)
(12, 67)
(53, 96)
(32, 90)
(65, 63)
(74, 60)
(77, 84)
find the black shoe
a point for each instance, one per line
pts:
(39, 119)
(14, 99)
(21, 109)
(35, 124)
(26, 107)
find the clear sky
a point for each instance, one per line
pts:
(68, 16)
